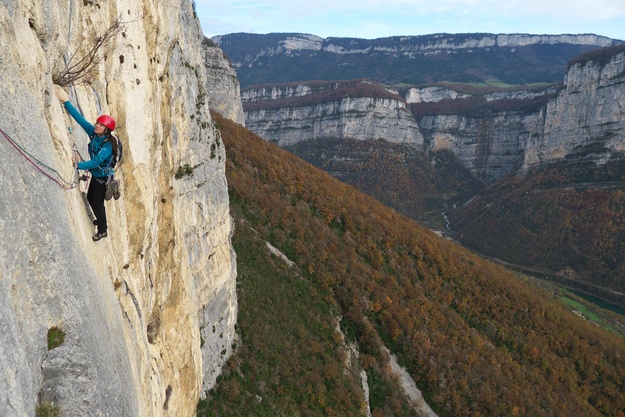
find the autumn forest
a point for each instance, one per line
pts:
(478, 339)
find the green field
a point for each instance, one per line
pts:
(588, 311)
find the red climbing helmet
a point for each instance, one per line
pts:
(107, 121)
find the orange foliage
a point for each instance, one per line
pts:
(477, 340)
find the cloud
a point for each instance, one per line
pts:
(593, 9)
(373, 18)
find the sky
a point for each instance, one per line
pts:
(372, 19)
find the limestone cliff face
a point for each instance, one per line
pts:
(489, 142)
(292, 44)
(225, 90)
(275, 92)
(587, 119)
(490, 147)
(431, 94)
(149, 311)
(492, 134)
(360, 118)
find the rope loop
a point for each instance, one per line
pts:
(40, 166)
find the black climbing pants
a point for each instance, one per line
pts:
(95, 196)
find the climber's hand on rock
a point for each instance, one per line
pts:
(61, 94)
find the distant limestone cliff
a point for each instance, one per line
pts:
(492, 132)
(225, 91)
(468, 58)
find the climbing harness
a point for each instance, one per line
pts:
(40, 166)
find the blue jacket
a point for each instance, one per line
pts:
(100, 150)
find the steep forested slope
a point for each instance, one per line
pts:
(415, 184)
(478, 340)
(565, 218)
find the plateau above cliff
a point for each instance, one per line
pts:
(474, 57)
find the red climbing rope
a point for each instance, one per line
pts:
(38, 164)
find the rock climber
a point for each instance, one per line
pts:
(101, 151)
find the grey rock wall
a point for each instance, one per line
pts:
(225, 91)
(588, 113)
(364, 118)
(149, 311)
(489, 147)
(583, 118)
(431, 94)
(292, 44)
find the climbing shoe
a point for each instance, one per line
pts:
(98, 236)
